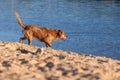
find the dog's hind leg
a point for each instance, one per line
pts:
(30, 40)
(21, 39)
(28, 35)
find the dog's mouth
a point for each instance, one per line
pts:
(63, 39)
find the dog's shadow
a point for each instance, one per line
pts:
(23, 51)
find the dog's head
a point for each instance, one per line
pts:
(61, 34)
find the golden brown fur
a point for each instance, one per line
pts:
(46, 35)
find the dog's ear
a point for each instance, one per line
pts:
(59, 33)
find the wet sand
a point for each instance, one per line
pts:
(23, 62)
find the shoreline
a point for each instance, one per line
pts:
(24, 62)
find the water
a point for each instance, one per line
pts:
(93, 27)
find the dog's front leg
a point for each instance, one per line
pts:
(48, 41)
(48, 44)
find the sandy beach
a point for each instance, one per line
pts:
(24, 62)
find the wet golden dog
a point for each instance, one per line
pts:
(46, 35)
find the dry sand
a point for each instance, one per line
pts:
(23, 62)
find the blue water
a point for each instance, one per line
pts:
(92, 26)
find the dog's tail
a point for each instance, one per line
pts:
(19, 20)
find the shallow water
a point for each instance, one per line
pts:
(93, 27)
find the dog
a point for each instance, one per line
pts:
(43, 34)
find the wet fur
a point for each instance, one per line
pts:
(46, 35)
